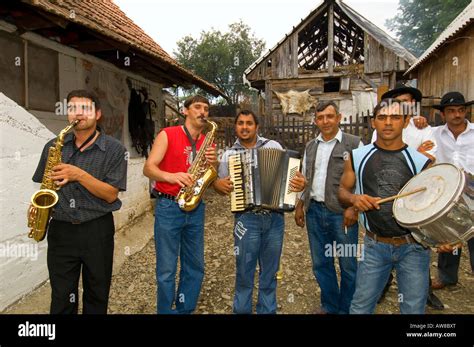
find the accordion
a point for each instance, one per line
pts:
(261, 179)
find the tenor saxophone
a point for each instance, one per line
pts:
(202, 174)
(43, 201)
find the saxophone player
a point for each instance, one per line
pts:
(179, 232)
(81, 232)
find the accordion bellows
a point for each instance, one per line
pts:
(261, 179)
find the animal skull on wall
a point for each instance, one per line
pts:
(296, 102)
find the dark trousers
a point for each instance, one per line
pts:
(448, 264)
(74, 247)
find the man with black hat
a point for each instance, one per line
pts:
(455, 142)
(417, 134)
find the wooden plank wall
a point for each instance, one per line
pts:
(440, 74)
(379, 59)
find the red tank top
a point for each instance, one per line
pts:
(177, 157)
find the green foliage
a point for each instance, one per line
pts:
(221, 58)
(419, 22)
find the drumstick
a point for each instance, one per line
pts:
(390, 198)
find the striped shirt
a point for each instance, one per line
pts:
(105, 159)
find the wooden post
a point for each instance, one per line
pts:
(330, 38)
(268, 99)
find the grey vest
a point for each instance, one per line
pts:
(334, 171)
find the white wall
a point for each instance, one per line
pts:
(26, 133)
(22, 137)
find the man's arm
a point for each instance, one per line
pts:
(65, 173)
(151, 169)
(360, 202)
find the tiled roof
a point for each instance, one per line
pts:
(107, 18)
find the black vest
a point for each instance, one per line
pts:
(340, 152)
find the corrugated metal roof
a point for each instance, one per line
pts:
(464, 19)
(107, 18)
(377, 33)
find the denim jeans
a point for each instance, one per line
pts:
(411, 262)
(257, 237)
(178, 233)
(325, 228)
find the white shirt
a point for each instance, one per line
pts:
(460, 151)
(323, 154)
(414, 137)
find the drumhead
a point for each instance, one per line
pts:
(444, 184)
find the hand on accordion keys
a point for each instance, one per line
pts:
(223, 186)
(298, 183)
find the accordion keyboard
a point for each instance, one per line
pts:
(237, 196)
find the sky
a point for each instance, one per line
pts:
(168, 21)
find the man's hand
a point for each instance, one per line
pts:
(211, 155)
(299, 214)
(350, 216)
(446, 248)
(426, 146)
(181, 178)
(298, 182)
(65, 173)
(365, 202)
(420, 122)
(223, 186)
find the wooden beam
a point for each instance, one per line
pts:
(331, 38)
(90, 46)
(268, 98)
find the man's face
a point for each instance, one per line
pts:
(245, 128)
(454, 115)
(197, 113)
(83, 109)
(328, 122)
(389, 122)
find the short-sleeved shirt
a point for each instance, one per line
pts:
(237, 147)
(105, 159)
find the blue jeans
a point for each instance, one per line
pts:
(325, 228)
(178, 233)
(411, 262)
(257, 237)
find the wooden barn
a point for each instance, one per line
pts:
(448, 64)
(333, 54)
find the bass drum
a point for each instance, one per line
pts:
(441, 214)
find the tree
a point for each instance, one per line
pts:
(419, 22)
(221, 58)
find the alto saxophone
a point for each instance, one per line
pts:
(202, 175)
(43, 201)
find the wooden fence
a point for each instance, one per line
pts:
(295, 133)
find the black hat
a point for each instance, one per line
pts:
(452, 99)
(400, 88)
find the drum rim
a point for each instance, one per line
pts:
(444, 210)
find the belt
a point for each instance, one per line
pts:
(159, 194)
(396, 241)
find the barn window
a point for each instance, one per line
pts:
(331, 84)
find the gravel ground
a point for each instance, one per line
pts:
(134, 287)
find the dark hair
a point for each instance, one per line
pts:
(325, 104)
(82, 93)
(246, 113)
(384, 103)
(195, 98)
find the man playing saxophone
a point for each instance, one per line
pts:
(178, 231)
(81, 232)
